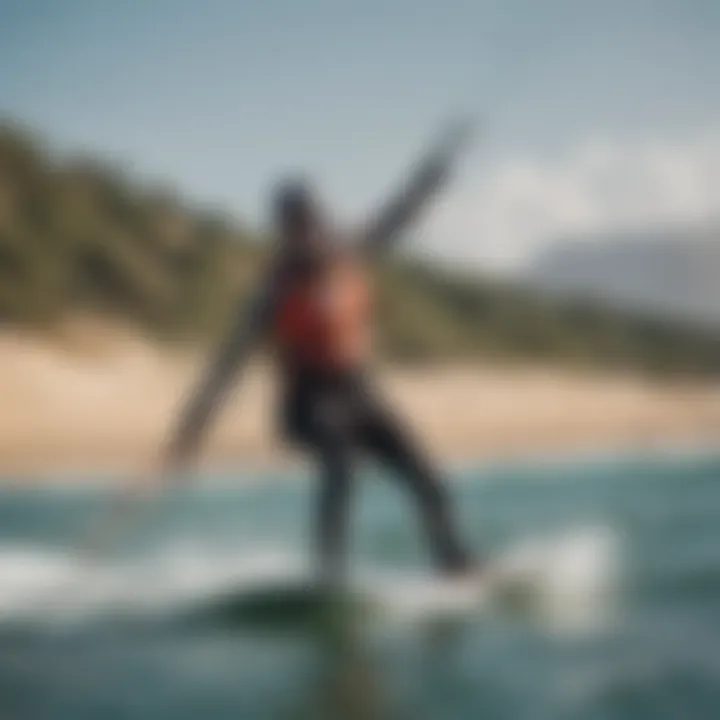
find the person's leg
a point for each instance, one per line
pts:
(383, 437)
(335, 487)
(311, 421)
(331, 427)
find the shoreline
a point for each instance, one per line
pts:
(104, 413)
(28, 471)
(242, 474)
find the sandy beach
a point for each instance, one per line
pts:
(106, 405)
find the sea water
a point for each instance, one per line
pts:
(621, 618)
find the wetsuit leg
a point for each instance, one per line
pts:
(384, 438)
(335, 453)
(317, 416)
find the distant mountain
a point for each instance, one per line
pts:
(669, 273)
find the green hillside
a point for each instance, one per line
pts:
(80, 235)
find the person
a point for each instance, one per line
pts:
(315, 304)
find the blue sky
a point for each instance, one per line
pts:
(218, 96)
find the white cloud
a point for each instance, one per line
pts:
(517, 205)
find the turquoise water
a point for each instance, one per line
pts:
(624, 620)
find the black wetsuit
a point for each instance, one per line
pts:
(339, 416)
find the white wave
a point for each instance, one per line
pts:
(572, 574)
(567, 576)
(45, 585)
(565, 580)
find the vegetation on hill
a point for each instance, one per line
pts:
(77, 235)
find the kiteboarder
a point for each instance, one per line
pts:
(315, 305)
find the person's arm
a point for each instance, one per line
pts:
(427, 179)
(212, 390)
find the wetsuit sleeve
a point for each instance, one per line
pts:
(427, 179)
(205, 400)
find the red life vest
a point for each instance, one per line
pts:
(322, 320)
